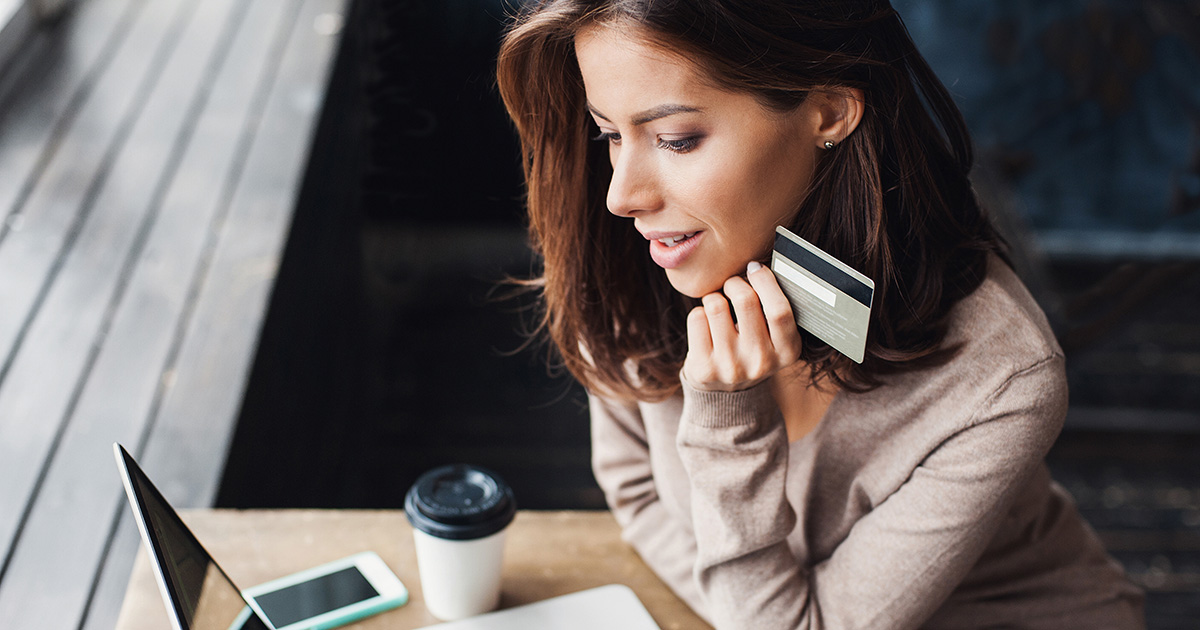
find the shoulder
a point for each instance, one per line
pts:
(1006, 355)
(1001, 324)
(1009, 362)
(999, 402)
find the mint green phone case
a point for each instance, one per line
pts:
(391, 598)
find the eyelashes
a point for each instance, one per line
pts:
(609, 137)
(675, 145)
(679, 145)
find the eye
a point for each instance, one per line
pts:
(610, 137)
(679, 145)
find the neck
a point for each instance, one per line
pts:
(801, 403)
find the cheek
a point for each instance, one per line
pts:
(748, 195)
(717, 191)
(782, 176)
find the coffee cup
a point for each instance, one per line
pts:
(459, 514)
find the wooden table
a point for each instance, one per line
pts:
(547, 554)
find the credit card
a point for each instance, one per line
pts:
(829, 299)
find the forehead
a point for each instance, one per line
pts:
(621, 64)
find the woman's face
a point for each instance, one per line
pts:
(705, 174)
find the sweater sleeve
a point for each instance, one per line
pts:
(621, 464)
(900, 561)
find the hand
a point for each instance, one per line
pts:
(729, 357)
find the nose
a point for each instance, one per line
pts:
(634, 187)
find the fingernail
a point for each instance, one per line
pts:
(753, 266)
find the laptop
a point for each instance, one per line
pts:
(200, 596)
(197, 592)
(600, 608)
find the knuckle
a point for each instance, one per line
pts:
(781, 316)
(716, 306)
(699, 374)
(732, 374)
(744, 300)
(777, 307)
(763, 364)
(705, 374)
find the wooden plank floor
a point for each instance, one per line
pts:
(150, 156)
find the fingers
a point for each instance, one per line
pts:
(699, 339)
(747, 308)
(720, 323)
(728, 356)
(753, 348)
(698, 366)
(778, 315)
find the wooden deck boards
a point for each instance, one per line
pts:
(148, 174)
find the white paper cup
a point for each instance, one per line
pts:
(458, 515)
(459, 578)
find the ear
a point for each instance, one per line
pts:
(836, 114)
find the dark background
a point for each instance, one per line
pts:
(390, 348)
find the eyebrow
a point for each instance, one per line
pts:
(652, 114)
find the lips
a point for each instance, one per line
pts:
(672, 241)
(671, 249)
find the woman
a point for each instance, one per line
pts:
(768, 479)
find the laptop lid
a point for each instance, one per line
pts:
(197, 593)
(600, 608)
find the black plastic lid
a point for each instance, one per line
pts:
(460, 502)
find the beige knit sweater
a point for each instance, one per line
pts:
(924, 503)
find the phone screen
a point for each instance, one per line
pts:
(315, 597)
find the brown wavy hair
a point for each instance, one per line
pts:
(893, 200)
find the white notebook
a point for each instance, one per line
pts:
(601, 608)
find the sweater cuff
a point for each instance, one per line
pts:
(716, 409)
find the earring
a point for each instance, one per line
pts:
(829, 144)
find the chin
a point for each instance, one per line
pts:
(692, 286)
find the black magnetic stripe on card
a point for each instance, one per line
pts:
(821, 268)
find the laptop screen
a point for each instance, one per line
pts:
(202, 596)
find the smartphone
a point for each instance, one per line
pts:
(329, 595)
